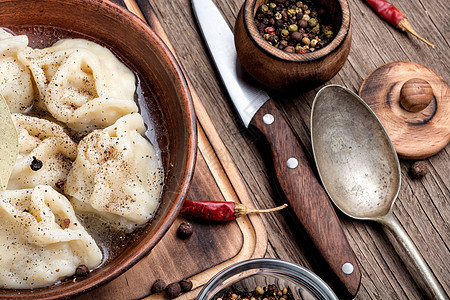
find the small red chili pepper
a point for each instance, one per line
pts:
(220, 210)
(395, 17)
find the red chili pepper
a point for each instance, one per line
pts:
(219, 210)
(269, 30)
(395, 17)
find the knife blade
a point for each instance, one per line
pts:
(293, 171)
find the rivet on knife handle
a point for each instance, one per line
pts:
(306, 196)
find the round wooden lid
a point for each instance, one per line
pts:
(414, 134)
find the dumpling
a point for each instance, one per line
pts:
(15, 80)
(82, 84)
(44, 141)
(41, 239)
(114, 79)
(42, 64)
(117, 174)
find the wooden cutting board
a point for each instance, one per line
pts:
(213, 246)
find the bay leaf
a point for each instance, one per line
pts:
(9, 144)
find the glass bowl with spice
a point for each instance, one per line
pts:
(266, 278)
(291, 44)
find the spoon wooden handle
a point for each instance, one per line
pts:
(306, 196)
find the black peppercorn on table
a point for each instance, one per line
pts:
(422, 205)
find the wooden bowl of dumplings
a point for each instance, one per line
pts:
(107, 139)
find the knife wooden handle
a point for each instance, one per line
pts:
(306, 196)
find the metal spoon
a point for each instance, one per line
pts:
(358, 166)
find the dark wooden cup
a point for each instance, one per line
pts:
(281, 70)
(168, 106)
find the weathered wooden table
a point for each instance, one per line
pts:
(422, 206)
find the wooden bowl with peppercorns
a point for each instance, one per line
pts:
(293, 45)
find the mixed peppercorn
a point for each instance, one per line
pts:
(269, 292)
(82, 271)
(185, 230)
(173, 289)
(294, 26)
(418, 169)
(36, 164)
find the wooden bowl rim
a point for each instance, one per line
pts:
(144, 245)
(265, 47)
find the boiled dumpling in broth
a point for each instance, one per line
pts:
(15, 79)
(46, 142)
(75, 90)
(114, 78)
(117, 174)
(42, 64)
(41, 239)
(82, 84)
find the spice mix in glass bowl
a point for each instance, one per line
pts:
(266, 278)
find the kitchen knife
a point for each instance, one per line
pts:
(301, 188)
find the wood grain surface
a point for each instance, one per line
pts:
(422, 206)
